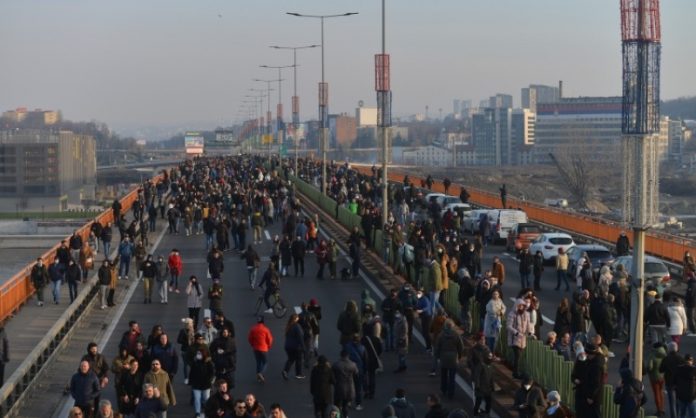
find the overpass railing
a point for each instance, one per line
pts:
(19, 289)
(543, 364)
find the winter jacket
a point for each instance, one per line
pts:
(449, 349)
(39, 276)
(495, 309)
(175, 264)
(194, 292)
(403, 408)
(162, 382)
(657, 355)
(677, 319)
(321, 383)
(224, 353)
(534, 402)
(201, 374)
(260, 338)
(167, 357)
(84, 387)
(294, 338)
(344, 373)
(518, 327)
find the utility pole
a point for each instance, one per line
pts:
(641, 48)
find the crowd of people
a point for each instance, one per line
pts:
(226, 198)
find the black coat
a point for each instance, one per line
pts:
(201, 374)
(321, 383)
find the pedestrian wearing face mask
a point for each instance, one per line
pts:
(529, 399)
(201, 375)
(519, 326)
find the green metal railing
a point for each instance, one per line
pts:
(543, 364)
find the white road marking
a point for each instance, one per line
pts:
(268, 234)
(67, 402)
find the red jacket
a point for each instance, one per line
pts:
(260, 338)
(176, 266)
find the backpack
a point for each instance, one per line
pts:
(633, 397)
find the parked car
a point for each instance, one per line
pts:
(448, 200)
(599, 255)
(433, 196)
(502, 220)
(549, 243)
(471, 220)
(521, 236)
(460, 207)
(655, 270)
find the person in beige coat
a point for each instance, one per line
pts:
(519, 326)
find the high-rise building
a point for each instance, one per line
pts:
(366, 116)
(676, 134)
(42, 169)
(500, 101)
(538, 93)
(456, 106)
(585, 126)
(491, 136)
(343, 129)
(523, 134)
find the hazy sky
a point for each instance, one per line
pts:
(171, 62)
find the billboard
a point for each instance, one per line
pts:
(295, 134)
(194, 143)
(224, 136)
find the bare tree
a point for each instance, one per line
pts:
(579, 178)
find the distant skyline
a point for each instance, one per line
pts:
(135, 64)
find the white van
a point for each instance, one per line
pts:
(502, 220)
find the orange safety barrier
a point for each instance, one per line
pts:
(18, 289)
(665, 246)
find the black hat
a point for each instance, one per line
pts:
(259, 319)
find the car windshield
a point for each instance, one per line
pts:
(655, 268)
(529, 229)
(560, 240)
(598, 254)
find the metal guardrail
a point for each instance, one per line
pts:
(18, 290)
(545, 366)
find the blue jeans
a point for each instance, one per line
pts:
(72, 289)
(199, 397)
(107, 248)
(174, 281)
(389, 336)
(434, 301)
(490, 342)
(686, 409)
(56, 290)
(209, 240)
(124, 267)
(562, 275)
(525, 280)
(261, 361)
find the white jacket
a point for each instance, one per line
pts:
(677, 319)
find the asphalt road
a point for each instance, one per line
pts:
(239, 301)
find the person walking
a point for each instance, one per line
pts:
(538, 269)
(224, 354)
(373, 351)
(39, 279)
(449, 349)
(529, 399)
(260, 339)
(401, 339)
(526, 267)
(162, 386)
(73, 276)
(200, 379)
(176, 267)
(321, 382)
(125, 252)
(657, 378)
(479, 363)
(162, 278)
(106, 236)
(104, 276)
(298, 249)
(85, 388)
(294, 347)
(669, 366)
(194, 299)
(86, 259)
(149, 274)
(677, 319)
(253, 262)
(344, 373)
(56, 272)
(402, 407)
(629, 395)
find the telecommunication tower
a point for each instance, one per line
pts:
(641, 48)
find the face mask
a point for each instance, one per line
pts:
(199, 356)
(526, 387)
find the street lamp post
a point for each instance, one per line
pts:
(323, 94)
(279, 111)
(295, 98)
(268, 112)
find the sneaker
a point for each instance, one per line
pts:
(103, 307)
(269, 310)
(186, 381)
(176, 290)
(611, 354)
(259, 378)
(300, 377)
(432, 374)
(285, 375)
(358, 407)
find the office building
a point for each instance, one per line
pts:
(491, 136)
(500, 101)
(676, 139)
(46, 170)
(343, 131)
(366, 116)
(523, 135)
(538, 93)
